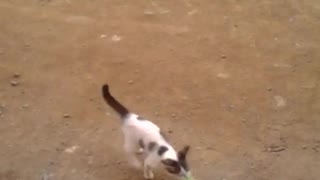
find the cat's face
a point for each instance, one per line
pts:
(178, 167)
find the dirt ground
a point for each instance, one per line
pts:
(237, 80)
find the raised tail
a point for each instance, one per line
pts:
(111, 101)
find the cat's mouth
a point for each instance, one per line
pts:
(186, 176)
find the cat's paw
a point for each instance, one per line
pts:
(140, 151)
(149, 175)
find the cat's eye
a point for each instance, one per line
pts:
(173, 169)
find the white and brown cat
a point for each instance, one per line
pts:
(143, 136)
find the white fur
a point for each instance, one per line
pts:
(135, 130)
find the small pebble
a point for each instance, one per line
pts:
(304, 147)
(103, 36)
(16, 75)
(131, 81)
(14, 83)
(231, 107)
(280, 101)
(170, 131)
(72, 149)
(190, 13)
(269, 89)
(173, 115)
(164, 11)
(90, 161)
(223, 56)
(25, 106)
(106, 164)
(156, 113)
(66, 116)
(291, 19)
(119, 162)
(148, 12)
(282, 65)
(88, 153)
(223, 75)
(210, 148)
(116, 38)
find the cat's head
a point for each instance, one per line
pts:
(178, 166)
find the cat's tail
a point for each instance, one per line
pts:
(111, 101)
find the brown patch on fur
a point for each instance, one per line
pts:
(140, 118)
(162, 150)
(152, 145)
(141, 143)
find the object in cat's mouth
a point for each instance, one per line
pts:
(187, 176)
(143, 136)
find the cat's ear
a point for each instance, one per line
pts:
(182, 157)
(183, 153)
(186, 149)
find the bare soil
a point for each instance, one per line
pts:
(237, 80)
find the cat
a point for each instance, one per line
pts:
(141, 136)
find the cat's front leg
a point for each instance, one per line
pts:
(148, 164)
(130, 150)
(147, 172)
(140, 151)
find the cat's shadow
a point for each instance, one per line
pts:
(121, 170)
